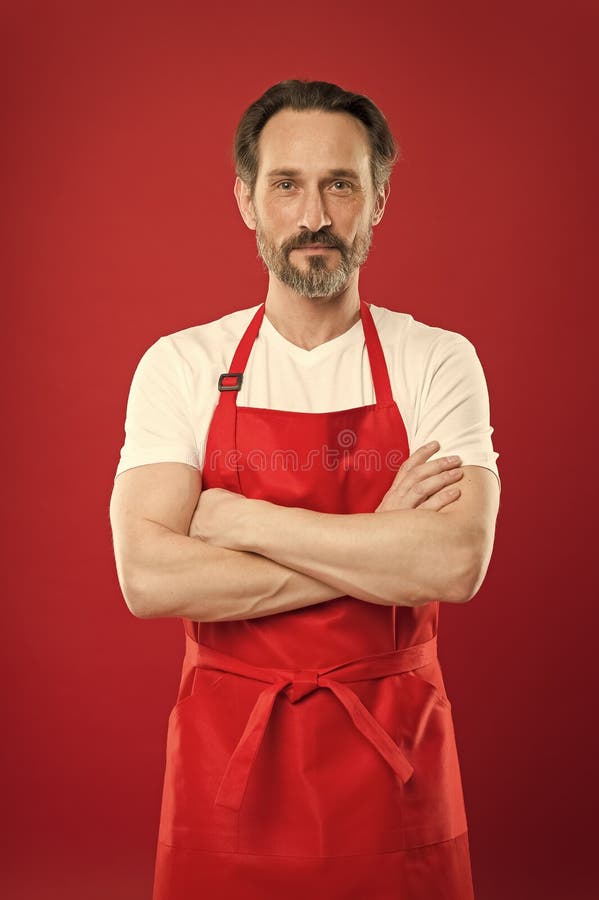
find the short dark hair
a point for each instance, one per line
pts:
(304, 95)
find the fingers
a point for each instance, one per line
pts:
(421, 482)
(441, 499)
(419, 456)
(422, 489)
(418, 478)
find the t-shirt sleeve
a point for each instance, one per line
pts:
(454, 407)
(158, 426)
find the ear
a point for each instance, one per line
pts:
(244, 202)
(379, 204)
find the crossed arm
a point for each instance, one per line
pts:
(398, 556)
(235, 558)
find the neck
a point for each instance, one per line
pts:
(311, 321)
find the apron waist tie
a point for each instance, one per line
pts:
(300, 683)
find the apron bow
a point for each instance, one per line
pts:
(299, 684)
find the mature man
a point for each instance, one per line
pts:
(268, 495)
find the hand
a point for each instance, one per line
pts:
(423, 485)
(217, 516)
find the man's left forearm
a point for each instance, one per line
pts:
(405, 557)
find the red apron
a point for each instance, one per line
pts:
(312, 752)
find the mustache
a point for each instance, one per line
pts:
(303, 240)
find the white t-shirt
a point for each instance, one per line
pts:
(436, 378)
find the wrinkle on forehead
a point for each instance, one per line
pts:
(314, 140)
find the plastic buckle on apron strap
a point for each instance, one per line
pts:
(230, 387)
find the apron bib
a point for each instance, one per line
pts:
(312, 749)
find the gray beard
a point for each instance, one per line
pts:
(317, 280)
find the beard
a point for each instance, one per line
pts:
(320, 277)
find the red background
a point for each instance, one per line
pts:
(119, 225)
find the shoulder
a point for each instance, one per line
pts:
(418, 340)
(192, 345)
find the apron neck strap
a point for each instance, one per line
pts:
(378, 366)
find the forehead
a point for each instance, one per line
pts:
(313, 139)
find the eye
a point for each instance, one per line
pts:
(344, 184)
(281, 184)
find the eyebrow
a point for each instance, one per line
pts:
(334, 173)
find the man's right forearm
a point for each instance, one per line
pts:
(173, 575)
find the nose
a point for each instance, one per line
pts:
(313, 214)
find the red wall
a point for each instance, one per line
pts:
(119, 225)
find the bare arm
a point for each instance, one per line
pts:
(164, 572)
(398, 557)
(401, 556)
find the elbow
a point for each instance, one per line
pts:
(471, 573)
(137, 556)
(139, 605)
(462, 591)
(130, 574)
(136, 595)
(136, 600)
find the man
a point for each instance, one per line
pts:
(267, 495)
